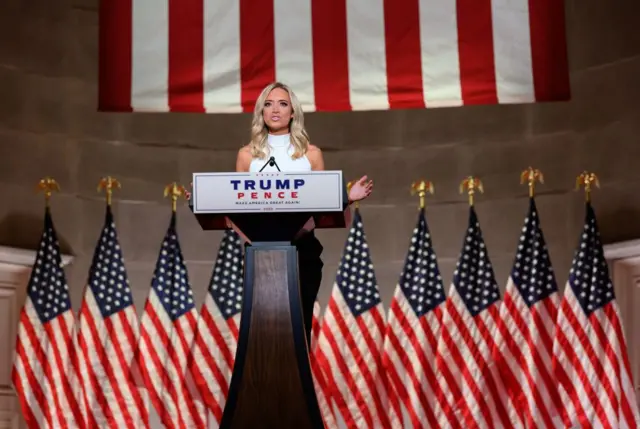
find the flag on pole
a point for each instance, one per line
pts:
(350, 344)
(527, 325)
(413, 329)
(316, 324)
(589, 351)
(337, 55)
(470, 396)
(44, 371)
(216, 339)
(108, 336)
(167, 329)
(320, 383)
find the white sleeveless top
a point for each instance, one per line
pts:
(281, 149)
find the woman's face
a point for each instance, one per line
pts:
(277, 111)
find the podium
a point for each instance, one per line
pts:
(271, 384)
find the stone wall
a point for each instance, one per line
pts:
(49, 126)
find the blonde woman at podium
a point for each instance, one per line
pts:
(279, 142)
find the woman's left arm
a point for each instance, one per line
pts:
(359, 191)
(314, 154)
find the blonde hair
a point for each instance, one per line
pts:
(259, 132)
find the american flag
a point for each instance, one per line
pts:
(413, 329)
(216, 339)
(167, 329)
(216, 56)
(108, 336)
(589, 350)
(349, 348)
(527, 325)
(44, 373)
(316, 325)
(320, 383)
(470, 396)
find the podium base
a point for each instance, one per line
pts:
(272, 384)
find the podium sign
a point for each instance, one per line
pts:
(314, 191)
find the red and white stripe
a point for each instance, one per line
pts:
(523, 358)
(320, 383)
(163, 356)
(471, 395)
(349, 353)
(409, 357)
(214, 351)
(107, 369)
(217, 55)
(592, 367)
(44, 371)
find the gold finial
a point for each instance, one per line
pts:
(108, 183)
(175, 191)
(48, 185)
(471, 183)
(349, 185)
(530, 175)
(586, 179)
(421, 188)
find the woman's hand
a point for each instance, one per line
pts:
(187, 194)
(360, 189)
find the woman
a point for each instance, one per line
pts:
(278, 130)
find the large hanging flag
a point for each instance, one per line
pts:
(527, 325)
(413, 329)
(44, 371)
(167, 329)
(216, 56)
(216, 339)
(470, 396)
(590, 357)
(108, 336)
(349, 348)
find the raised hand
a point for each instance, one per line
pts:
(360, 189)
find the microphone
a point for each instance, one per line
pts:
(270, 162)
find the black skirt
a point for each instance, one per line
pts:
(310, 275)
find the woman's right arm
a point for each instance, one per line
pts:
(243, 161)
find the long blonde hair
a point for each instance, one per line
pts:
(259, 132)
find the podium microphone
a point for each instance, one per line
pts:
(270, 162)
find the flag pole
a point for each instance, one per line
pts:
(175, 191)
(421, 188)
(108, 183)
(586, 179)
(531, 175)
(471, 184)
(48, 185)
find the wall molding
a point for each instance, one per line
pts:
(622, 250)
(25, 257)
(623, 259)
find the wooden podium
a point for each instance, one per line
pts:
(272, 384)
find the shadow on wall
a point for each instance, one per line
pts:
(618, 225)
(23, 230)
